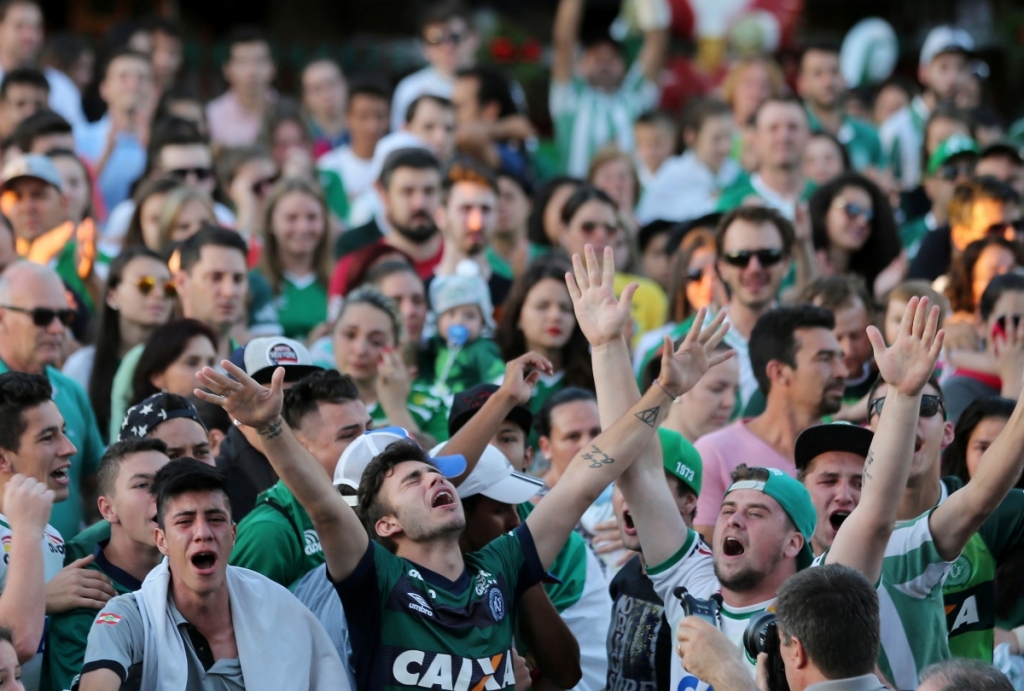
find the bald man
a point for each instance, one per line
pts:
(34, 314)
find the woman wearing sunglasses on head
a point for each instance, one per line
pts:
(139, 297)
(854, 231)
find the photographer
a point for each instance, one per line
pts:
(828, 637)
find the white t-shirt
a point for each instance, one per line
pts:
(425, 81)
(79, 365)
(356, 173)
(53, 561)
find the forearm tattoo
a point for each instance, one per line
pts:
(272, 430)
(597, 458)
(649, 417)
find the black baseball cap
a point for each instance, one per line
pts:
(835, 436)
(468, 402)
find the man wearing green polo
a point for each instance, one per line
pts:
(34, 316)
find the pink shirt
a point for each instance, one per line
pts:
(720, 453)
(231, 124)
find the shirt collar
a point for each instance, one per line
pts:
(865, 682)
(122, 577)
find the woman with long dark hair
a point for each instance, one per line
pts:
(538, 317)
(854, 231)
(543, 226)
(978, 426)
(139, 297)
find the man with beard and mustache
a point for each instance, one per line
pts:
(467, 219)
(799, 367)
(410, 191)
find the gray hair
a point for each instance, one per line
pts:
(960, 674)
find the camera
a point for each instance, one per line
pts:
(704, 609)
(762, 636)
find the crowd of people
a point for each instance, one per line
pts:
(346, 389)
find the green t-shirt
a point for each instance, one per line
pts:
(420, 630)
(301, 306)
(334, 193)
(262, 317)
(913, 232)
(569, 567)
(859, 138)
(547, 386)
(277, 539)
(499, 264)
(68, 632)
(453, 372)
(81, 429)
(736, 194)
(427, 409)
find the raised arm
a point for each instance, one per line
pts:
(564, 38)
(962, 514)
(905, 367)
(601, 462)
(341, 532)
(27, 505)
(653, 17)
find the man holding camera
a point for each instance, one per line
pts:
(812, 653)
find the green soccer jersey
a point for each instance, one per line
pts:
(751, 186)
(277, 539)
(417, 629)
(427, 409)
(301, 306)
(454, 371)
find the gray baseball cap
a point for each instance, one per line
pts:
(31, 166)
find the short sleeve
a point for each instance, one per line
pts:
(912, 563)
(116, 639)
(268, 545)
(692, 567)
(642, 92)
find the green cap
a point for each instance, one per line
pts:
(794, 500)
(681, 458)
(953, 146)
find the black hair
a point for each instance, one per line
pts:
(412, 157)
(108, 340)
(77, 160)
(371, 507)
(933, 381)
(368, 88)
(578, 370)
(281, 111)
(1007, 283)
(492, 87)
(774, 337)
(213, 416)
(883, 243)
(215, 236)
(245, 33)
(369, 295)
(571, 394)
(28, 76)
(756, 215)
(171, 131)
(844, 155)
(833, 611)
(784, 100)
(19, 391)
(836, 292)
(445, 11)
(184, 476)
(410, 112)
(656, 116)
(163, 347)
(63, 50)
(38, 124)
(542, 197)
(817, 47)
(392, 266)
(176, 92)
(964, 674)
(116, 453)
(162, 25)
(954, 456)
(123, 52)
(305, 397)
(585, 193)
(700, 110)
(960, 289)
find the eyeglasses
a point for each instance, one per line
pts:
(438, 37)
(588, 227)
(1001, 228)
(930, 406)
(146, 284)
(44, 316)
(852, 211)
(765, 258)
(200, 174)
(260, 187)
(951, 171)
(697, 274)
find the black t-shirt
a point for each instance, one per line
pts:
(934, 256)
(248, 473)
(640, 639)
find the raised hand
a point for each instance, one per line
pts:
(76, 586)
(394, 384)
(682, 369)
(907, 364)
(1008, 356)
(27, 505)
(246, 401)
(522, 374)
(601, 316)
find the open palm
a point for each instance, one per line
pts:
(600, 315)
(907, 364)
(243, 398)
(682, 368)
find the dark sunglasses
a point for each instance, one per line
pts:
(930, 405)
(589, 227)
(200, 174)
(260, 187)
(146, 284)
(951, 171)
(44, 316)
(436, 38)
(742, 259)
(852, 211)
(1001, 228)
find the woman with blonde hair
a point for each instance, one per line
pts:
(185, 210)
(749, 83)
(296, 257)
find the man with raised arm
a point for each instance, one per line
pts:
(897, 536)
(431, 615)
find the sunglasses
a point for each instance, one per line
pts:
(437, 38)
(260, 187)
(930, 405)
(951, 171)
(765, 258)
(853, 211)
(44, 316)
(146, 284)
(200, 174)
(1001, 228)
(589, 227)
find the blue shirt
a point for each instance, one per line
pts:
(126, 162)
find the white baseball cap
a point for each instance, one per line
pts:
(353, 461)
(261, 356)
(945, 39)
(495, 478)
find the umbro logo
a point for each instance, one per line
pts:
(420, 605)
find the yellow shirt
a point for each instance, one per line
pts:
(650, 304)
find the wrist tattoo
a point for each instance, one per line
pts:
(597, 458)
(272, 430)
(649, 417)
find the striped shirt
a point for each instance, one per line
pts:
(586, 118)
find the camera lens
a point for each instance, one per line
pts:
(755, 636)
